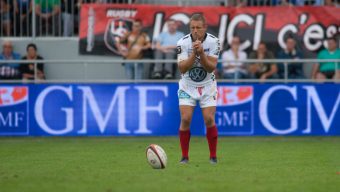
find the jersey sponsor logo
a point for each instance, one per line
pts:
(197, 74)
(179, 50)
(183, 95)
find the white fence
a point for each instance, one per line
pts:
(87, 63)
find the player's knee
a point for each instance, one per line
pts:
(209, 120)
(185, 120)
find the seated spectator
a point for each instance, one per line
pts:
(327, 70)
(23, 10)
(28, 69)
(9, 71)
(48, 16)
(5, 17)
(261, 70)
(136, 42)
(166, 49)
(231, 67)
(294, 70)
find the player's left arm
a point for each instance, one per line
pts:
(209, 61)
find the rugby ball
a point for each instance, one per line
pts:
(156, 156)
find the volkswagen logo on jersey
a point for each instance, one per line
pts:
(197, 74)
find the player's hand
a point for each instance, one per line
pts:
(197, 46)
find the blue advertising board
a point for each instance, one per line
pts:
(133, 109)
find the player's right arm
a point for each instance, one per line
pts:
(185, 65)
(185, 61)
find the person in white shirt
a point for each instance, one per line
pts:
(166, 49)
(232, 68)
(197, 59)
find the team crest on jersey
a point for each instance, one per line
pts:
(179, 50)
(197, 74)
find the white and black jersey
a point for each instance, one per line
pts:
(197, 75)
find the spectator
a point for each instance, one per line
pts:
(136, 41)
(262, 70)
(231, 67)
(5, 17)
(69, 13)
(290, 52)
(28, 70)
(9, 70)
(48, 16)
(23, 10)
(166, 49)
(327, 70)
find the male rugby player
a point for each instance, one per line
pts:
(197, 59)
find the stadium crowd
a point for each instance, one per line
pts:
(61, 16)
(231, 66)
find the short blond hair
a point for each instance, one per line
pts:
(198, 17)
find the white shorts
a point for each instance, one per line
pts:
(190, 94)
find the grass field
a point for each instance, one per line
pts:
(119, 164)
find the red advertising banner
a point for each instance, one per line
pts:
(102, 25)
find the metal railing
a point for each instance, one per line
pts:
(86, 63)
(62, 20)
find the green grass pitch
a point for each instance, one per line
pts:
(119, 164)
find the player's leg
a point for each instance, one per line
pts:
(184, 130)
(208, 104)
(212, 134)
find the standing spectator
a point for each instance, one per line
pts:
(166, 49)
(9, 70)
(327, 70)
(232, 67)
(262, 70)
(23, 10)
(136, 41)
(5, 17)
(70, 11)
(294, 70)
(28, 69)
(48, 16)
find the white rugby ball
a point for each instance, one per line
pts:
(156, 156)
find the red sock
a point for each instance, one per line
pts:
(184, 138)
(212, 140)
